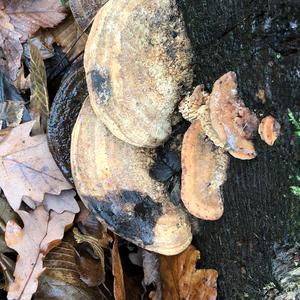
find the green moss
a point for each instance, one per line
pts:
(295, 188)
(295, 121)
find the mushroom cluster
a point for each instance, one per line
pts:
(138, 66)
(224, 117)
(220, 122)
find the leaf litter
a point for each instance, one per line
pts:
(50, 262)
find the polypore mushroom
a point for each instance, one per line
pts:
(112, 178)
(223, 116)
(189, 108)
(64, 111)
(138, 64)
(231, 119)
(203, 172)
(269, 130)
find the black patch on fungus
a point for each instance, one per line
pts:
(166, 165)
(129, 214)
(101, 84)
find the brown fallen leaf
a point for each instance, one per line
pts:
(27, 167)
(7, 265)
(90, 226)
(43, 40)
(4, 133)
(61, 279)
(6, 214)
(70, 37)
(117, 270)
(91, 270)
(63, 202)
(11, 112)
(39, 101)
(152, 274)
(97, 268)
(42, 232)
(19, 20)
(181, 280)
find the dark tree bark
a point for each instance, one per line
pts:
(260, 41)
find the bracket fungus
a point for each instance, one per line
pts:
(112, 178)
(204, 169)
(138, 65)
(224, 117)
(269, 130)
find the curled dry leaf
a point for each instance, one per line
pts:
(117, 270)
(43, 41)
(11, 112)
(97, 274)
(12, 103)
(91, 270)
(19, 20)
(70, 37)
(181, 280)
(39, 102)
(42, 232)
(204, 169)
(269, 130)
(152, 274)
(61, 278)
(27, 167)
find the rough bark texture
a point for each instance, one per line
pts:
(259, 40)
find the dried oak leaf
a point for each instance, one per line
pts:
(70, 37)
(42, 232)
(61, 278)
(27, 167)
(92, 271)
(181, 280)
(6, 214)
(117, 270)
(39, 100)
(63, 202)
(19, 20)
(11, 113)
(92, 228)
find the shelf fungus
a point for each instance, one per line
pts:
(112, 178)
(138, 62)
(269, 130)
(204, 169)
(223, 116)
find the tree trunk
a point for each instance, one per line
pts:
(260, 41)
